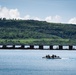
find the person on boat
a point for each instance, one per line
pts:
(53, 56)
(48, 56)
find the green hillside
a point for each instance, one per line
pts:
(36, 32)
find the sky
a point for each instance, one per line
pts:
(58, 11)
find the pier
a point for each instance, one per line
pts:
(39, 47)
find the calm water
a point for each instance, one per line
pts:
(30, 62)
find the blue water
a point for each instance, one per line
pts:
(30, 62)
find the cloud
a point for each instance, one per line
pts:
(37, 18)
(27, 17)
(72, 20)
(48, 19)
(56, 19)
(9, 13)
(15, 14)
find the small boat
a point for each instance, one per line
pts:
(52, 57)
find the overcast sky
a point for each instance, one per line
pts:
(62, 11)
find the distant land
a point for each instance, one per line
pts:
(35, 32)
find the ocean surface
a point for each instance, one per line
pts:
(30, 62)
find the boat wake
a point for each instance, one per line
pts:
(69, 58)
(65, 58)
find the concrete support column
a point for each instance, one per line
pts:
(40, 46)
(70, 47)
(51, 47)
(4, 47)
(31, 46)
(60, 47)
(22, 46)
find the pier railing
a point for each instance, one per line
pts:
(39, 47)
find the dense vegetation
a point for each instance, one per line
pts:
(36, 32)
